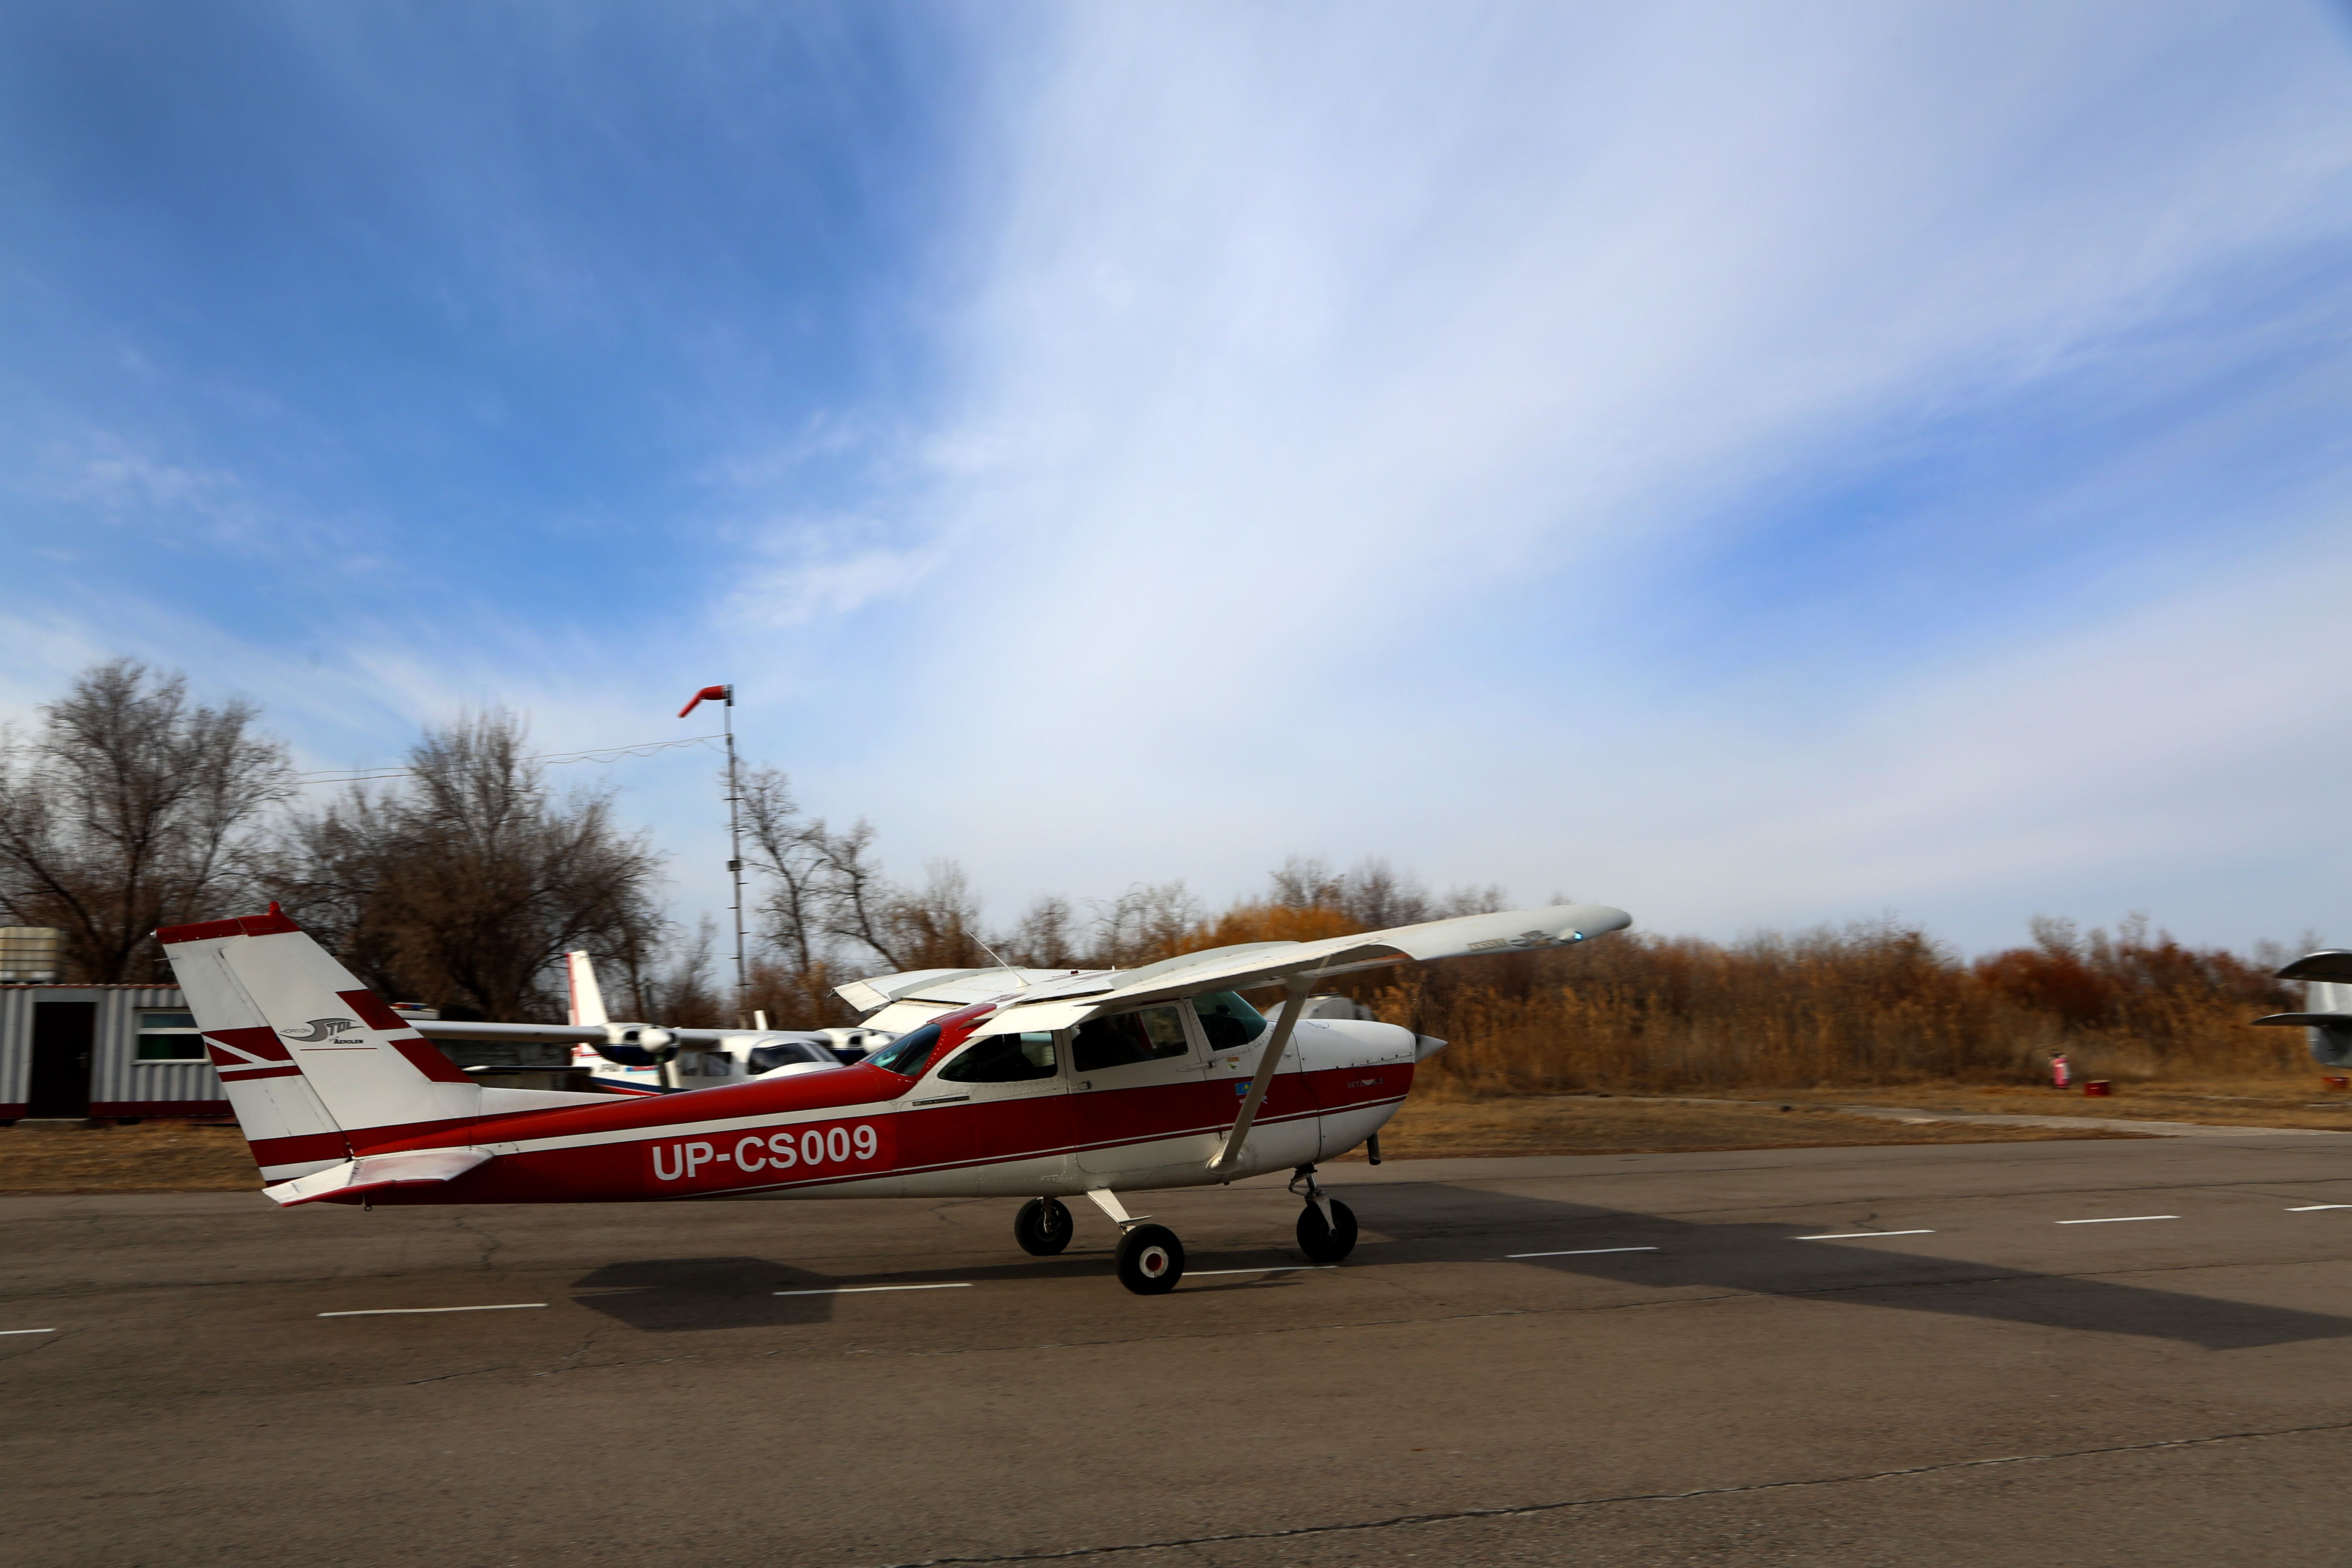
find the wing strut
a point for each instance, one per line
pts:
(1294, 1003)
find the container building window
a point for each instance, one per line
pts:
(170, 1037)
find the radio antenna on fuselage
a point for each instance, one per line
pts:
(1018, 978)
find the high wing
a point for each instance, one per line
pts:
(1269, 964)
(1057, 998)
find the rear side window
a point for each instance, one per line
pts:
(906, 1055)
(1155, 1034)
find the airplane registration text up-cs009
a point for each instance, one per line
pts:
(1037, 1084)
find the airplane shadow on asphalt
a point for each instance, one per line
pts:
(1417, 1226)
(671, 1295)
(1765, 1259)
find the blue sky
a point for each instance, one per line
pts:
(1756, 468)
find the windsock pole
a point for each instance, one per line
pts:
(726, 694)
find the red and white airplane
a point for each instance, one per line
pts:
(1019, 1083)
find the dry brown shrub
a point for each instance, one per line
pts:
(1873, 1003)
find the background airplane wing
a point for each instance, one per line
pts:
(578, 1034)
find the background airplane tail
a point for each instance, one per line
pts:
(2327, 1005)
(318, 1069)
(587, 999)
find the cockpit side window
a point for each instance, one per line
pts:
(1004, 1058)
(908, 1055)
(1229, 1022)
(1155, 1034)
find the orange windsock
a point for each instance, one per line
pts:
(707, 694)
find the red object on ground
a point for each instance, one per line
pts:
(2059, 1076)
(2337, 1084)
(707, 694)
(2096, 1086)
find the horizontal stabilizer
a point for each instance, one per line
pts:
(373, 1173)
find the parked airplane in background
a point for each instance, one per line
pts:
(646, 1058)
(2327, 996)
(1038, 1084)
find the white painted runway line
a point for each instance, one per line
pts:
(1579, 1252)
(2307, 1208)
(2117, 1219)
(868, 1289)
(1269, 1268)
(1858, 1235)
(27, 1330)
(413, 1311)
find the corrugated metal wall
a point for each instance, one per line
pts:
(120, 1084)
(15, 1047)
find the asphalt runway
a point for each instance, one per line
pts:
(2074, 1353)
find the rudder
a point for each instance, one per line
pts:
(318, 1069)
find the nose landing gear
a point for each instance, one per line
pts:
(1327, 1227)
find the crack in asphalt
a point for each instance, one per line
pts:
(453, 1377)
(1520, 1510)
(492, 1245)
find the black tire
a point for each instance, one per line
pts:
(1150, 1260)
(1043, 1227)
(1326, 1243)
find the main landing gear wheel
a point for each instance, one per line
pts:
(1150, 1260)
(1043, 1227)
(1326, 1243)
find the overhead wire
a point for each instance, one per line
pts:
(598, 755)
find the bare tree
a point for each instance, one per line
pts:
(791, 850)
(673, 980)
(129, 809)
(465, 885)
(1046, 937)
(1304, 882)
(1376, 898)
(1149, 920)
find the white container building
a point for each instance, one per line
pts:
(103, 1051)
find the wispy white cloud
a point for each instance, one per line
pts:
(1357, 389)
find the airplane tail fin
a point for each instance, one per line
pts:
(318, 1069)
(587, 1000)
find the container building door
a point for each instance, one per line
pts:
(63, 1034)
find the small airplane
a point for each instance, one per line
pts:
(1038, 1084)
(646, 1059)
(2327, 996)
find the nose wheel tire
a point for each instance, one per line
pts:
(1043, 1227)
(1150, 1260)
(1326, 1243)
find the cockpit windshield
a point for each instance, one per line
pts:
(906, 1055)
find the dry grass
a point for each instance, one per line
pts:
(1579, 1124)
(2244, 1101)
(153, 1157)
